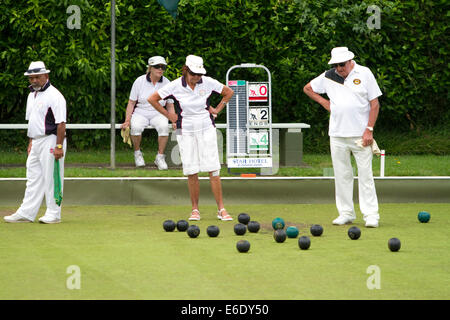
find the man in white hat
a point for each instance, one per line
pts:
(46, 115)
(141, 114)
(196, 132)
(353, 105)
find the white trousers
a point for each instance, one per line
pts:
(341, 150)
(40, 165)
(199, 151)
(141, 119)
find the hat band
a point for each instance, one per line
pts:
(35, 70)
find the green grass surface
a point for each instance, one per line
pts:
(96, 164)
(124, 253)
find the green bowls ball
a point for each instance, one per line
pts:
(424, 216)
(292, 232)
(278, 223)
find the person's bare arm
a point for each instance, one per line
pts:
(316, 97)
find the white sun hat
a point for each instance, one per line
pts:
(195, 64)
(153, 61)
(340, 54)
(36, 67)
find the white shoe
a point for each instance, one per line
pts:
(371, 223)
(223, 216)
(139, 159)
(49, 220)
(161, 162)
(341, 220)
(15, 218)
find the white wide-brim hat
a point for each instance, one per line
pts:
(340, 54)
(153, 61)
(35, 68)
(195, 64)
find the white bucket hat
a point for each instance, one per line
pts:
(153, 61)
(340, 54)
(36, 67)
(195, 64)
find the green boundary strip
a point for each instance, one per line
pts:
(173, 191)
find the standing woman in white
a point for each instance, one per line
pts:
(46, 115)
(196, 132)
(353, 105)
(141, 114)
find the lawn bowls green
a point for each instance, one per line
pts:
(354, 233)
(213, 231)
(279, 235)
(253, 226)
(244, 218)
(240, 229)
(182, 225)
(394, 244)
(193, 231)
(292, 232)
(169, 225)
(304, 242)
(424, 216)
(243, 246)
(316, 230)
(278, 223)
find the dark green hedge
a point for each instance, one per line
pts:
(408, 54)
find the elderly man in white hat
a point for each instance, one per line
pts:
(353, 105)
(141, 114)
(196, 132)
(46, 115)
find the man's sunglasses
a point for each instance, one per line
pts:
(342, 64)
(194, 74)
(160, 66)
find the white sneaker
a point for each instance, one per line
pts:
(49, 220)
(341, 220)
(161, 162)
(15, 218)
(139, 159)
(371, 223)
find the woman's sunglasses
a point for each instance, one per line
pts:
(160, 66)
(194, 74)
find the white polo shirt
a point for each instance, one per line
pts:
(45, 109)
(143, 88)
(192, 105)
(349, 99)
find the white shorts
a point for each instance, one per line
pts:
(139, 121)
(199, 151)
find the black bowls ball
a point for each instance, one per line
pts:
(240, 229)
(243, 245)
(213, 231)
(354, 233)
(279, 235)
(193, 231)
(243, 218)
(182, 225)
(304, 242)
(169, 225)
(316, 230)
(394, 244)
(253, 226)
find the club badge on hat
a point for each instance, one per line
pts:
(35, 68)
